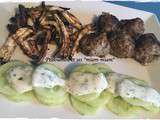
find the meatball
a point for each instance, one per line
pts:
(122, 45)
(94, 45)
(147, 48)
(133, 27)
(107, 22)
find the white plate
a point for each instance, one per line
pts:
(85, 11)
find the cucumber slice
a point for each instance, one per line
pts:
(13, 95)
(51, 96)
(148, 106)
(94, 99)
(118, 106)
(90, 103)
(20, 78)
(90, 107)
(115, 78)
(138, 102)
(51, 102)
(139, 82)
(119, 77)
(81, 107)
(100, 101)
(103, 68)
(54, 69)
(88, 97)
(55, 96)
(4, 68)
(86, 68)
(5, 88)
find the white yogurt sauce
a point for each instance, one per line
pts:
(86, 83)
(43, 77)
(20, 78)
(129, 89)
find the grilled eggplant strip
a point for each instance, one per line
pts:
(64, 36)
(31, 46)
(26, 43)
(57, 8)
(7, 50)
(85, 30)
(43, 51)
(56, 19)
(51, 49)
(43, 17)
(23, 15)
(72, 20)
(10, 45)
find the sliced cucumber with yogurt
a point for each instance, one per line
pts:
(20, 78)
(6, 88)
(115, 78)
(136, 92)
(80, 82)
(46, 87)
(146, 97)
(4, 68)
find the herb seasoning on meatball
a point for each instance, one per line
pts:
(133, 27)
(95, 45)
(122, 45)
(107, 22)
(147, 48)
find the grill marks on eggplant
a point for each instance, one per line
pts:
(49, 25)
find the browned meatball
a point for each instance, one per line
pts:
(95, 45)
(133, 27)
(122, 45)
(147, 48)
(107, 22)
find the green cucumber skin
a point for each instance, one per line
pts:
(88, 97)
(81, 107)
(121, 108)
(96, 100)
(148, 106)
(102, 100)
(51, 96)
(52, 102)
(28, 96)
(90, 107)
(5, 88)
(86, 68)
(103, 68)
